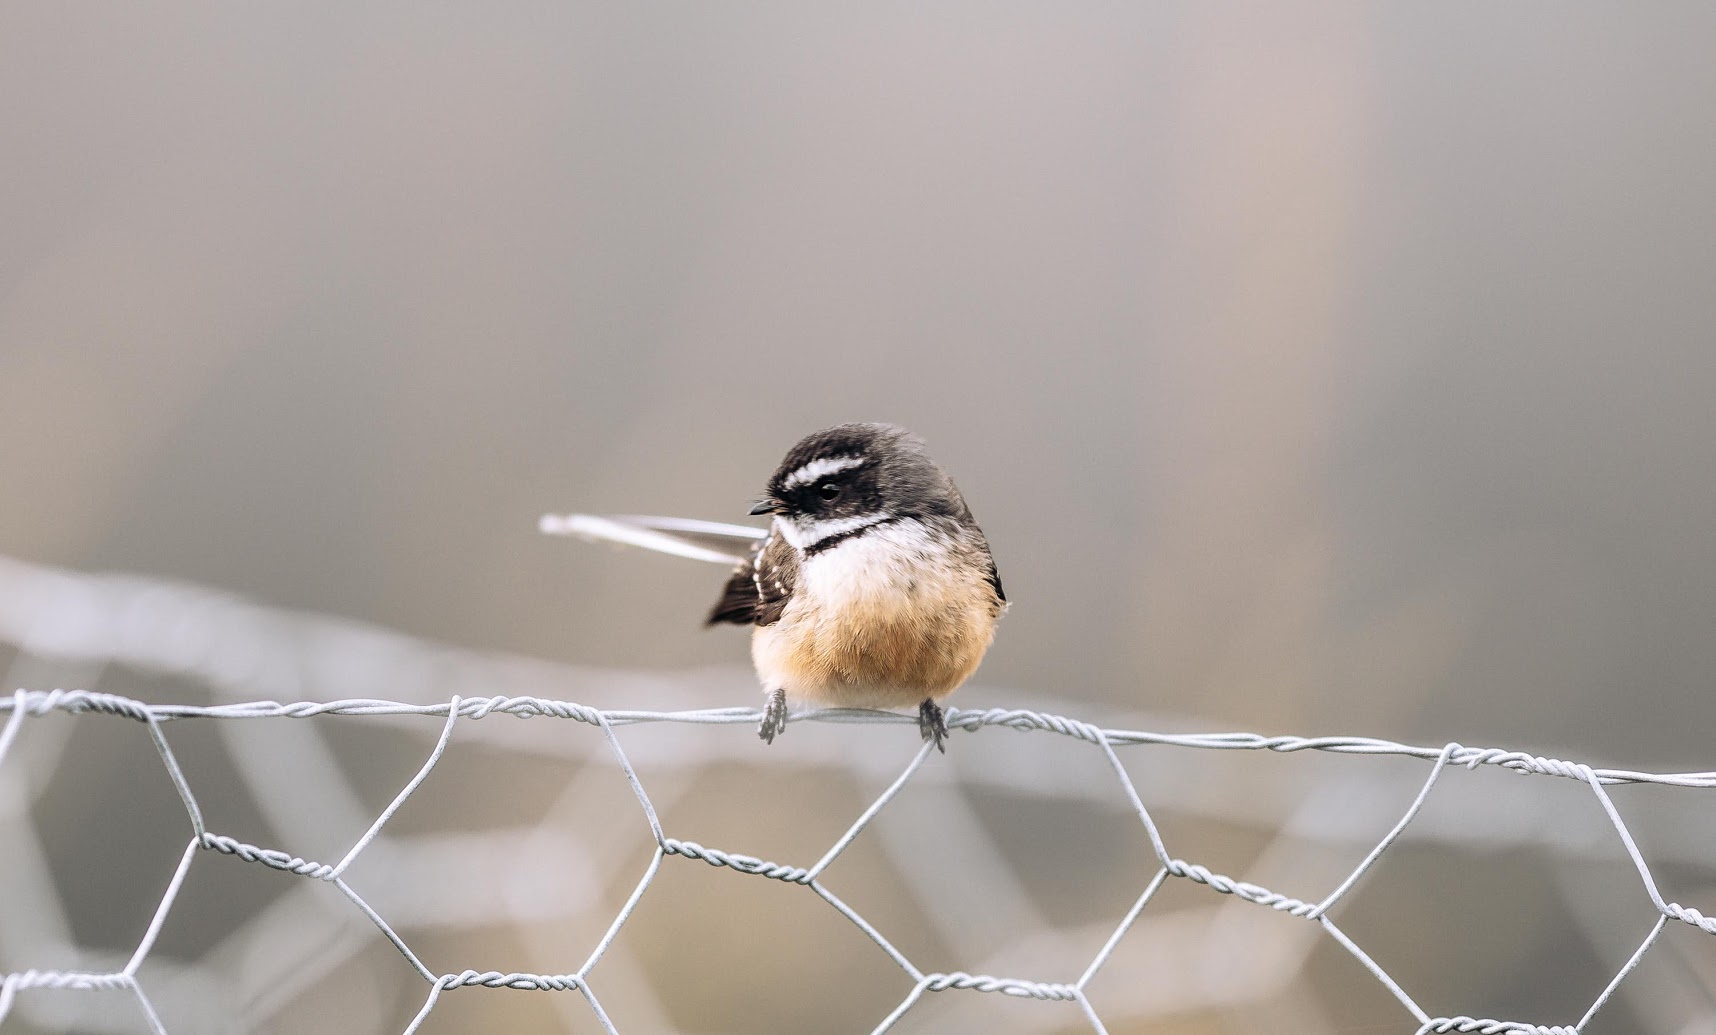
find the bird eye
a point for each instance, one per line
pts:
(829, 490)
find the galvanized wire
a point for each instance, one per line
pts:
(23, 705)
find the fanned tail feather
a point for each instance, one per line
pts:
(712, 541)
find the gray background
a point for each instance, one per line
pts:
(1325, 369)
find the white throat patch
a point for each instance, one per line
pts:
(805, 532)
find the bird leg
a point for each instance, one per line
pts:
(774, 715)
(932, 723)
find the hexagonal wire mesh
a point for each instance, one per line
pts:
(79, 595)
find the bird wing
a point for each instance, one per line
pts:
(759, 588)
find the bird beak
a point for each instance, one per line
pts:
(767, 506)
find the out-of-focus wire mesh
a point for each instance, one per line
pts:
(402, 886)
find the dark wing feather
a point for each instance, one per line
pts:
(962, 512)
(776, 576)
(994, 578)
(759, 589)
(738, 603)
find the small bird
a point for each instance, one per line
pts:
(873, 588)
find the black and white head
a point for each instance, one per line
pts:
(843, 481)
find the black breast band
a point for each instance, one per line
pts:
(852, 533)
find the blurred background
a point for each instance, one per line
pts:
(1318, 369)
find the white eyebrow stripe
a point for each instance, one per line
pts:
(820, 468)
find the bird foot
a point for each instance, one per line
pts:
(932, 723)
(774, 716)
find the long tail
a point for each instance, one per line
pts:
(710, 541)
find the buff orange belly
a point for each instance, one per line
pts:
(874, 657)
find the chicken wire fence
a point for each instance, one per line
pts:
(192, 631)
